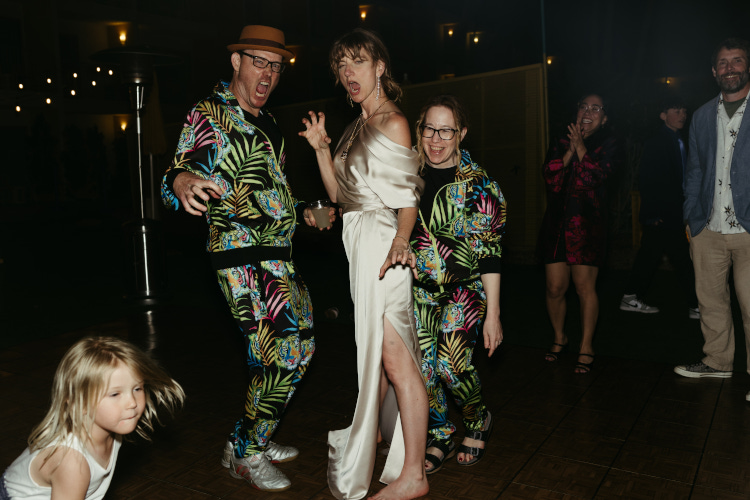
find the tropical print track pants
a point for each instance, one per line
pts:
(449, 324)
(272, 307)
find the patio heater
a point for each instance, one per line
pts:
(144, 256)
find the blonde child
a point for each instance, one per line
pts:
(104, 388)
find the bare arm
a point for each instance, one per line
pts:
(317, 137)
(493, 328)
(66, 472)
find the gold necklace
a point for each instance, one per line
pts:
(357, 129)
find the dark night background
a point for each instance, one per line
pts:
(67, 173)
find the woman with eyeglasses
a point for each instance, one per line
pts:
(457, 292)
(574, 232)
(373, 176)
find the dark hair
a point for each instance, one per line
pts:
(672, 102)
(352, 44)
(729, 44)
(460, 116)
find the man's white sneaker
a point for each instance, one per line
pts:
(633, 304)
(275, 452)
(259, 472)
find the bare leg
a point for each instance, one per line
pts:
(558, 280)
(584, 279)
(383, 392)
(412, 396)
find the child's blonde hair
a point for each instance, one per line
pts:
(81, 380)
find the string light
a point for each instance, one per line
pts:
(111, 72)
(18, 109)
(49, 80)
(93, 83)
(20, 86)
(72, 92)
(49, 101)
(75, 75)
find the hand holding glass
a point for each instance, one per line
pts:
(321, 212)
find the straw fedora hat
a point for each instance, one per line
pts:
(256, 37)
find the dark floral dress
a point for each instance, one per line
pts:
(574, 227)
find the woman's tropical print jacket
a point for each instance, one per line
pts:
(463, 237)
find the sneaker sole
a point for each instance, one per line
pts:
(627, 308)
(250, 480)
(689, 374)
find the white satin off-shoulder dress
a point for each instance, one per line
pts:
(377, 178)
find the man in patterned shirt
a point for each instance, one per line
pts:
(229, 166)
(717, 210)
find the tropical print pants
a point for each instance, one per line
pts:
(449, 324)
(272, 307)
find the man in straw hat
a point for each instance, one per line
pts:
(229, 165)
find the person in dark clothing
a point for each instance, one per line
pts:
(572, 240)
(660, 183)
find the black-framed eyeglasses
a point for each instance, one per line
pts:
(262, 62)
(445, 134)
(594, 108)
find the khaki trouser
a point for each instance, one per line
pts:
(714, 256)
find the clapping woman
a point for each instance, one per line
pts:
(372, 175)
(574, 232)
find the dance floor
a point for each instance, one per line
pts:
(629, 429)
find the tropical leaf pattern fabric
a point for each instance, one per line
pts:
(245, 156)
(464, 229)
(466, 225)
(218, 143)
(272, 308)
(448, 325)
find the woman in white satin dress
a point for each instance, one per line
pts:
(373, 176)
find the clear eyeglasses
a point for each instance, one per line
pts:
(594, 108)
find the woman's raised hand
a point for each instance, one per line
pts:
(575, 136)
(315, 131)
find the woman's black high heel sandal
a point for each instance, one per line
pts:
(554, 356)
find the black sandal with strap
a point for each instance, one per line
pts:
(448, 448)
(584, 367)
(552, 356)
(477, 453)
